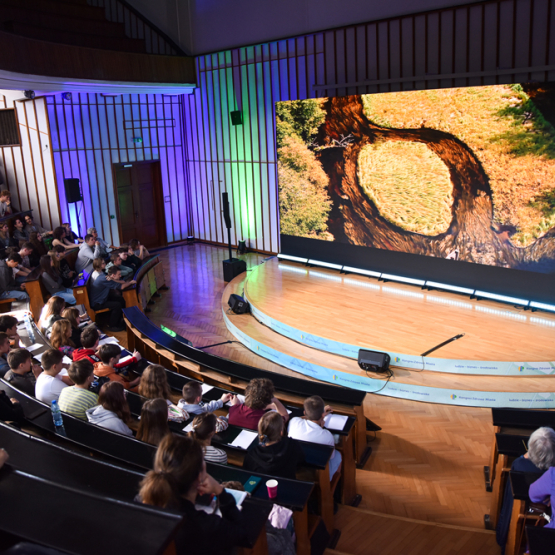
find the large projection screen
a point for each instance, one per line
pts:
(454, 184)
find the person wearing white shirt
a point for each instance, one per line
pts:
(311, 428)
(49, 383)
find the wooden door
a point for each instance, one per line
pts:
(138, 188)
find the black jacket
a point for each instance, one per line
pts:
(10, 412)
(280, 459)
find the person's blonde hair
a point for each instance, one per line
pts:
(59, 337)
(154, 383)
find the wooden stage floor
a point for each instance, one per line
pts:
(427, 462)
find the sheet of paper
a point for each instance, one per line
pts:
(38, 357)
(108, 340)
(206, 388)
(67, 360)
(34, 347)
(239, 496)
(335, 421)
(125, 359)
(188, 428)
(240, 397)
(244, 439)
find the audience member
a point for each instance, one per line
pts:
(192, 398)
(38, 245)
(10, 409)
(5, 203)
(50, 383)
(60, 240)
(110, 365)
(131, 262)
(70, 234)
(9, 288)
(135, 248)
(89, 249)
(25, 252)
(154, 384)
(23, 373)
(99, 265)
(105, 292)
(72, 314)
(51, 312)
(77, 400)
(276, 455)
(4, 350)
(116, 261)
(19, 233)
(259, 398)
(8, 325)
(153, 426)
(4, 457)
(53, 282)
(204, 429)
(178, 476)
(5, 239)
(31, 226)
(543, 491)
(105, 248)
(60, 337)
(311, 428)
(112, 411)
(89, 341)
(62, 265)
(539, 457)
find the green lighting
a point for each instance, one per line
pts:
(168, 331)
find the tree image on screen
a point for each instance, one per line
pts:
(465, 174)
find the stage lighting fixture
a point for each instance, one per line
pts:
(242, 247)
(373, 361)
(350, 270)
(412, 281)
(292, 258)
(325, 264)
(455, 288)
(542, 306)
(29, 94)
(66, 96)
(502, 298)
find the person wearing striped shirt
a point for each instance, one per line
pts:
(204, 429)
(76, 400)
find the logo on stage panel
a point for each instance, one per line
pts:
(334, 377)
(521, 368)
(453, 396)
(397, 359)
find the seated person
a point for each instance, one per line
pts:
(110, 366)
(89, 249)
(5, 237)
(153, 425)
(179, 475)
(72, 314)
(50, 383)
(116, 261)
(129, 261)
(105, 292)
(51, 312)
(204, 429)
(259, 398)
(137, 249)
(23, 373)
(78, 399)
(19, 233)
(8, 325)
(276, 454)
(192, 399)
(60, 239)
(31, 226)
(105, 248)
(60, 337)
(539, 457)
(70, 235)
(5, 203)
(9, 288)
(39, 248)
(89, 341)
(25, 252)
(311, 428)
(99, 267)
(4, 350)
(154, 384)
(543, 491)
(112, 411)
(62, 265)
(52, 281)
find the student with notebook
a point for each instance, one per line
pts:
(50, 383)
(203, 430)
(23, 373)
(76, 400)
(192, 403)
(111, 368)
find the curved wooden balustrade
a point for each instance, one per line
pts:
(150, 278)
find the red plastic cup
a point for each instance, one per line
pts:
(272, 486)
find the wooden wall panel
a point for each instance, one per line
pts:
(477, 44)
(92, 132)
(28, 170)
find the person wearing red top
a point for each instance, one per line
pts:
(259, 398)
(89, 339)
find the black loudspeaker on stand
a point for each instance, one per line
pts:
(73, 190)
(233, 266)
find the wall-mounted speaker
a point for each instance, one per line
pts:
(73, 190)
(236, 117)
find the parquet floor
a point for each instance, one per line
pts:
(427, 462)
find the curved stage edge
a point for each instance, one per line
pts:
(411, 362)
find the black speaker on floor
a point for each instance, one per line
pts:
(73, 190)
(233, 268)
(373, 361)
(238, 304)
